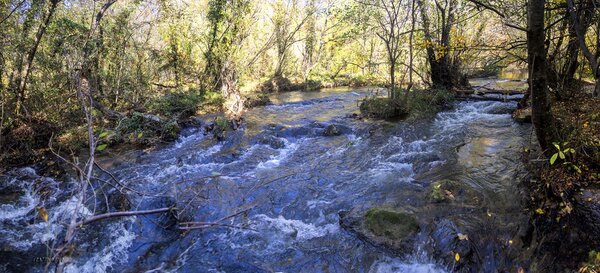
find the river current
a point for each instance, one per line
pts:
(292, 180)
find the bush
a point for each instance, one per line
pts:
(382, 107)
(175, 103)
(257, 99)
(422, 102)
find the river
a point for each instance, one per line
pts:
(294, 180)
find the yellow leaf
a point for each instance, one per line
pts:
(510, 242)
(43, 213)
(457, 257)
(539, 211)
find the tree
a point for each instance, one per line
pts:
(24, 71)
(444, 71)
(582, 17)
(286, 26)
(542, 118)
(390, 19)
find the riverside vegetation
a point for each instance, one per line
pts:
(81, 80)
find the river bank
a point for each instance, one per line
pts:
(302, 177)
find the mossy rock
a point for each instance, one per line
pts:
(447, 190)
(390, 224)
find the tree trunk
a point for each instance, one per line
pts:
(580, 25)
(570, 67)
(542, 118)
(23, 75)
(441, 76)
(410, 53)
(392, 80)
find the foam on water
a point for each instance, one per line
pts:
(26, 203)
(184, 140)
(395, 265)
(298, 229)
(276, 160)
(112, 254)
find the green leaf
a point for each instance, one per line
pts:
(562, 156)
(553, 159)
(103, 134)
(101, 147)
(140, 134)
(556, 145)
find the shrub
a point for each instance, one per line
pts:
(422, 102)
(175, 103)
(382, 107)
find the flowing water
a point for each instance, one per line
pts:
(294, 180)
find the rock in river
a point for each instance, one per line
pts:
(384, 227)
(331, 130)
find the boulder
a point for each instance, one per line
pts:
(384, 227)
(331, 130)
(273, 141)
(390, 224)
(448, 240)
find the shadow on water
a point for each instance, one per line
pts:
(296, 178)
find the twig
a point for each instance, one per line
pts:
(201, 225)
(99, 217)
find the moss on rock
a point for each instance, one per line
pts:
(390, 224)
(447, 190)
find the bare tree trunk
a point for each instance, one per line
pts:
(542, 118)
(392, 80)
(23, 75)
(580, 31)
(410, 52)
(570, 67)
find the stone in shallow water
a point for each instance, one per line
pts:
(391, 224)
(331, 130)
(384, 227)
(447, 190)
(448, 240)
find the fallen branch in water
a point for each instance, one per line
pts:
(104, 216)
(202, 225)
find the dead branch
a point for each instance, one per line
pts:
(202, 225)
(109, 215)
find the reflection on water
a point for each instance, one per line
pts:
(513, 74)
(511, 80)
